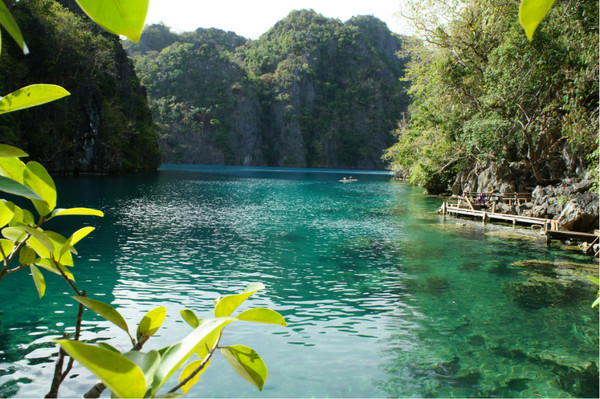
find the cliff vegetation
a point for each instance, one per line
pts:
(105, 125)
(311, 92)
(483, 95)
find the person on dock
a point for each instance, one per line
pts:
(481, 199)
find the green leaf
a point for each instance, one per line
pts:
(594, 280)
(7, 151)
(122, 376)
(14, 233)
(147, 362)
(226, 305)
(247, 363)
(596, 302)
(39, 180)
(190, 318)
(108, 346)
(151, 322)
(9, 23)
(13, 168)
(209, 343)
(77, 212)
(108, 312)
(6, 213)
(26, 255)
(262, 315)
(172, 357)
(13, 187)
(31, 96)
(38, 279)
(7, 247)
(47, 264)
(189, 369)
(74, 239)
(121, 17)
(531, 14)
(38, 236)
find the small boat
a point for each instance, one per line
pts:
(350, 180)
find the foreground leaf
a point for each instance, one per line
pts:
(38, 236)
(31, 96)
(228, 304)
(121, 375)
(47, 264)
(147, 362)
(26, 255)
(190, 318)
(6, 214)
(13, 187)
(151, 322)
(77, 212)
(38, 279)
(106, 311)
(262, 315)
(8, 151)
(9, 23)
(247, 363)
(39, 180)
(121, 17)
(531, 14)
(6, 248)
(173, 356)
(74, 239)
(188, 370)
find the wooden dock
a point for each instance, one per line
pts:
(452, 209)
(548, 227)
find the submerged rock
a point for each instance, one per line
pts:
(541, 291)
(562, 267)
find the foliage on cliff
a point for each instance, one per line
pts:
(106, 124)
(481, 92)
(311, 92)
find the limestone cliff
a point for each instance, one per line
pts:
(105, 125)
(311, 92)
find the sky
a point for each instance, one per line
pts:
(252, 18)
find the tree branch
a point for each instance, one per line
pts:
(200, 367)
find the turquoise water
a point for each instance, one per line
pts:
(383, 297)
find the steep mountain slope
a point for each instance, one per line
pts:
(105, 125)
(311, 92)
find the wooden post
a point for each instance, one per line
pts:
(469, 202)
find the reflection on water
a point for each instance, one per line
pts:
(382, 297)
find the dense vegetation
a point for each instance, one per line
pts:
(106, 124)
(481, 92)
(311, 92)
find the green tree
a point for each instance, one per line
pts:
(479, 87)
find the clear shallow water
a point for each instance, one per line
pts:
(382, 296)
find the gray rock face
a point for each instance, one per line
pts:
(570, 202)
(580, 213)
(504, 177)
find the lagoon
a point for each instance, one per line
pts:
(383, 297)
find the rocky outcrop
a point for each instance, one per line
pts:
(502, 177)
(571, 202)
